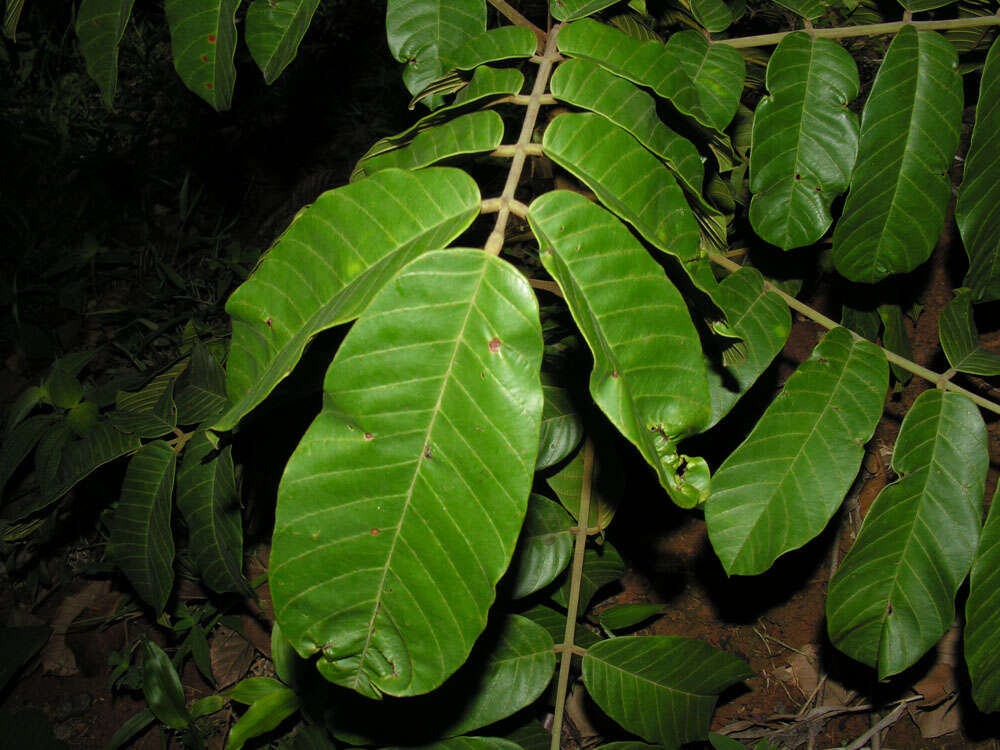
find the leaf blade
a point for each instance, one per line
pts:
(203, 43)
(100, 25)
(274, 31)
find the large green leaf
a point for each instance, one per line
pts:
(509, 668)
(394, 523)
(207, 498)
(896, 339)
(328, 265)
(893, 596)
(909, 134)
(648, 374)
(811, 9)
(978, 209)
(203, 41)
(274, 30)
(544, 549)
(701, 79)
(628, 179)
(586, 84)
(805, 140)
(919, 6)
(142, 542)
(467, 134)
(601, 567)
(960, 338)
(982, 615)
(784, 482)
(201, 389)
(661, 688)
(100, 25)
(161, 687)
(761, 319)
(421, 33)
(20, 442)
(503, 43)
(714, 15)
(570, 10)
(972, 38)
(148, 413)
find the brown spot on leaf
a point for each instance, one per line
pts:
(369, 436)
(211, 38)
(494, 344)
(268, 322)
(376, 532)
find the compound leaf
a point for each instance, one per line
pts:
(328, 265)
(142, 543)
(805, 140)
(893, 596)
(811, 9)
(960, 338)
(713, 15)
(201, 392)
(978, 211)
(648, 376)
(504, 43)
(982, 615)
(100, 25)
(393, 523)
(274, 30)
(661, 688)
(203, 41)
(779, 488)
(901, 188)
(570, 10)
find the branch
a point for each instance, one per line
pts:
(939, 380)
(872, 29)
(516, 18)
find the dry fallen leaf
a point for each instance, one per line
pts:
(57, 658)
(231, 655)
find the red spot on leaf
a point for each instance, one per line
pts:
(494, 344)
(615, 374)
(204, 58)
(95, 22)
(376, 532)
(269, 321)
(209, 86)
(211, 38)
(369, 436)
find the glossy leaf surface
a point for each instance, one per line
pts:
(554, 624)
(900, 188)
(570, 10)
(762, 320)
(805, 140)
(467, 134)
(605, 488)
(960, 338)
(544, 548)
(503, 43)
(661, 688)
(629, 180)
(601, 567)
(422, 32)
(162, 687)
(982, 615)
(263, 716)
(978, 211)
(201, 390)
(327, 266)
(714, 15)
(779, 488)
(893, 596)
(142, 543)
(203, 43)
(100, 25)
(811, 9)
(626, 616)
(274, 30)
(586, 84)
(561, 431)
(207, 498)
(394, 524)
(648, 375)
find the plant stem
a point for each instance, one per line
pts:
(939, 380)
(576, 572)
(495, 241)
(518, 19)
(871, 29)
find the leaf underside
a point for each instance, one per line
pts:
(274, 31)
(982, 615)
(100, 25)
(203, 43)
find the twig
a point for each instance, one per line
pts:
(516, 18)
(890, 719)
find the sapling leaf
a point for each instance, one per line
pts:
(132, 726)
(896, 339)
(162, 687)
(100, 25)
(893, 596)
(605, 488)
(503, 43)
(201, 391)
(543, 549)
(262, 716)
(570, 10)
(601, 567)
(26, 402)
(982, 616)
(203, 43)
(274, 31)
(624, 616)
(561, 431)
(139, 414)
(252, 689)
(811, 9)
(19, 443)
(714, 15)
(554, 623)
(960, 338)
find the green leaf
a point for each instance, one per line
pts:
(586, 84)
(628, 179)
(206, 706)
(61, 386)
(20, 442)
(960, 338)
(982, 616)
(973, 38)
(895, 339)
(605, 488)
(503, 43)
(779, 488)
(554, 624)
(762, 320)
(142, 543)
(473, 133)
(701, 79)
(421, 33)
(811, 9)
(626, 616)
(661, 688)
(919, 6)
(893, 596)
(17, 646)
(49, 453)
(11, 16)
(263, 716)
(82, 418)
(137, 413)
(203, 42)
(100, 25)
(369, 565)
(900, 187)
(648, 376)
(26, 402)
(713, 15)
(544, 548)
(601, 567)
(561, 430)
(510, 667)
(201, 392)
(631, 745)
(805, 140)
(132, 726)
(207, 498)
(978, 211)
(162, 687)
(571, 10)
(865, 323)
(327, 266)
(274, 30)
(252, 689)
(486, 83)
(312, 737)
